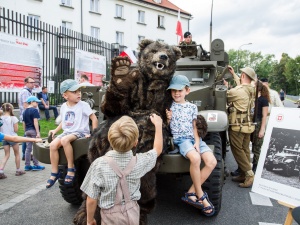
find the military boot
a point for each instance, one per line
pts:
(249, 180)
(239, 178)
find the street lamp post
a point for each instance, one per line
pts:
(210, 31)
(237, 66)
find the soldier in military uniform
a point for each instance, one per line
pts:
(187, 46)
(238, 99)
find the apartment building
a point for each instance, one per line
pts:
(114, 21)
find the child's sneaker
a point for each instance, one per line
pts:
(37, 168)
(28, 168)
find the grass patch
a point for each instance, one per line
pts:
(45, 126)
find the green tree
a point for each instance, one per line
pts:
(277, 78)
(263, 65)
(292, 74)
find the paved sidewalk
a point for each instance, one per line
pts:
(15, 189)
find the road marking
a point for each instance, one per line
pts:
(258, 199)
(262, 223)
(21, 198)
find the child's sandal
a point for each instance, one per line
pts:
(2, 176)
(20, 172)
(68, 177)
(211, 207)
(196, 203)
(51, 182)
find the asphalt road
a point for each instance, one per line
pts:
(48, 208)
(239, 206)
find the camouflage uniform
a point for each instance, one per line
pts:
(188, 49)
(239, 98)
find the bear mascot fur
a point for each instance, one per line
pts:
(137, 92)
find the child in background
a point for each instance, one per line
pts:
(75, 115)
(9, 127)
(100, 183)
(31, 126)
(15, 139)
(182, 118)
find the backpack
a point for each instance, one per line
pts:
(243, 121)
(127, 213)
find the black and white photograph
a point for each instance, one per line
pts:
(278, 169)
(283, 157)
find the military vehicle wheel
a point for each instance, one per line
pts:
(289, 169)
(214, 184)
(72, 193)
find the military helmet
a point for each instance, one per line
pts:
(250, 72)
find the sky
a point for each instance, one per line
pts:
(272, 26)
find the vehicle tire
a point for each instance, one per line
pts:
(214, 184)
(269, 167)
(72, 193)
(289, 169)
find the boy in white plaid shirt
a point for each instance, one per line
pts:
(101, 181)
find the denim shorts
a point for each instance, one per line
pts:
(8, 143)
(77, 134)
(187, 144)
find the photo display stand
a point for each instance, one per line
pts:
(289, 218)
(278, 170)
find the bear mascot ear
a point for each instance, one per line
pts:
(143, 44)
(177, 52)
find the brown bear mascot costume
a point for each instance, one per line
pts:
(137, 92)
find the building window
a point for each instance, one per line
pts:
(94, 5)
(66, 2)
(95, 32)
(161, 21)
(33, 20)
(66, 25)
(120, 37)
(140, 38)
(119, 11)
(141, 16)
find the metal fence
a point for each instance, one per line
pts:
(59, 46)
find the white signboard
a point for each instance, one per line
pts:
(90, 64)
(19, 58)
(277, 174)
(51, 86)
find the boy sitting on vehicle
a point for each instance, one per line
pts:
(75, 115)
(182, 118)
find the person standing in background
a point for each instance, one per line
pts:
(274, 97)
(262, 104)
(85, 80)
(282, 96)
(23, 95)
(239, 100)
(32, 130)
(9, 127)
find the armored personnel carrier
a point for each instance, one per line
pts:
(205, 73)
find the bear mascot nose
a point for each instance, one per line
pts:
(164, 57)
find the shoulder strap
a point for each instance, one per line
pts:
(122, 186)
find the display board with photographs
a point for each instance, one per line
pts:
(278, 172)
